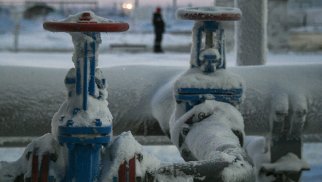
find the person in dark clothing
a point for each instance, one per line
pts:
(158, 25)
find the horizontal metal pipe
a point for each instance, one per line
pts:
(30, 96)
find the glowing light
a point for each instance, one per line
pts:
(128, 6)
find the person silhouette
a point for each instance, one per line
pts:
(159, 27)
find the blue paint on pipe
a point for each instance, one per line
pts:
(70, 80)
(198, 47)
(84, 152)
(195, 96)
(85, 81)
(78, 78)
(92, 69)
(222, 48)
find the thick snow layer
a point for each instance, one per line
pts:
(212, 136)
(290, 163)
(220, 118)
(311, 153)
(239, 171)
(123, 148)
(79, 40)
(217, 169)
(45, 144)
(257, 149)
(97, 109)
(49, 41)
(195, 78)
(63, 60)
(75, 18)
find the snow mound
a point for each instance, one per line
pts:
(43, 145)
(288, 163)
(219, 79)
(123, 148)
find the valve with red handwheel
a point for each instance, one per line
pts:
(206, 125)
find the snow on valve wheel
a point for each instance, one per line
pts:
(209, 13)
(85, 23)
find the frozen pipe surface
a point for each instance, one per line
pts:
(30, 96)
(251, 32)
(216, 169)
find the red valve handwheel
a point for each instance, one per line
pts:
(85, 27)
(209, 13)
(85, 23)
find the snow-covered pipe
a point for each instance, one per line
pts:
(252, 32)
(151, 96)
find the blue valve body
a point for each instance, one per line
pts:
(84, 144)
(195, 96)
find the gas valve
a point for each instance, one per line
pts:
(208, 59)
(83, 124)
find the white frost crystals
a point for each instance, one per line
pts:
(208, 11)
(194, 78)
(96, 109)
(94, 18)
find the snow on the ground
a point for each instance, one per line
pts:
(32, 36)
(308, 29)
(168, 153)
(63, 60)
(289, 162)
(45, 40)
(11, 153)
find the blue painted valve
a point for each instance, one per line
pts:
(85, 125)
(208, 54)
(84, 147)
